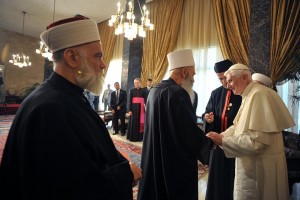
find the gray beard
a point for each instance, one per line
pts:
(187, 84)
(89, 80)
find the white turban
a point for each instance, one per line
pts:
(180, 58)
(262, 79)
(70, 34)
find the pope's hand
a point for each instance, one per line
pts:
(215, 137)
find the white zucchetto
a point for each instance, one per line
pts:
(238, 66)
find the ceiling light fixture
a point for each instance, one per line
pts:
(20, 59)
(129, 27)
(43, 50)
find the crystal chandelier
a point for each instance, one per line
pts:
(20, 59)
(43, 49)
(129, 27)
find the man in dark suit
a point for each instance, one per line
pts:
(118, 103)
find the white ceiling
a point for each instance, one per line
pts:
(39, 13)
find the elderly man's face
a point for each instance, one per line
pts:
(236, 84)
(92, 67)
(137, 84)
(188, 82)
(191, 73)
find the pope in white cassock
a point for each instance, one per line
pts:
(255, 139)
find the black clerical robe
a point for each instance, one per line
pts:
(59, 148)
(136, 104)
(221, 169)
(172, 145)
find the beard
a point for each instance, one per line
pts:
(88, 79)
(187, 84)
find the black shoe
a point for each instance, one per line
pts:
(115, 133)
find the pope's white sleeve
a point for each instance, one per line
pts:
(229, 132)
(245, 144)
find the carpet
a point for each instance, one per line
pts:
(5, 123)
(130, 151)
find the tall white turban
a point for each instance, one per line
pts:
(180, 58)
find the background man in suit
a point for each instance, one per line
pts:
(118, 103)
(106, 97)
(149, 84)
(148, 88)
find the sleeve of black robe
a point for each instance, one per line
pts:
(209, 108)
(64, 164)
(190, 135)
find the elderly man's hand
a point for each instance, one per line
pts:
(137, 173)
(209, 117)
(215, 137)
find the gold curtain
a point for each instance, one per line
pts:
(165, 15)
(285, 38)
(108, 40)
(197, 27)
(118, 48)
(232, 18)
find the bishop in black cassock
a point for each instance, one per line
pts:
(224, 105)
(136, 105)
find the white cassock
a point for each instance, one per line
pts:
(255, 140)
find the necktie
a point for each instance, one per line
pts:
(117, 96)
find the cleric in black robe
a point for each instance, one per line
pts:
(58, 147)
(221, 169)
(172, 140)
(136, 108)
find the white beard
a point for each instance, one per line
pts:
(187, 84)
(88, 80)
